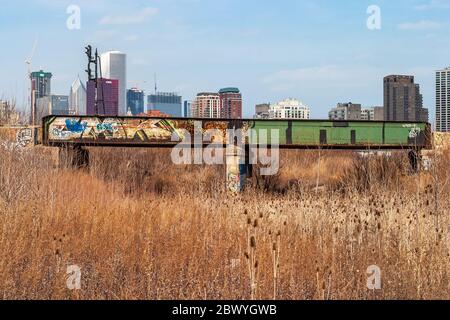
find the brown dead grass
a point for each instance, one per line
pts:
(141, 228)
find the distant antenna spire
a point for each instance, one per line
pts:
(156, 85)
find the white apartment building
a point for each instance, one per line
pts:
(289, 109)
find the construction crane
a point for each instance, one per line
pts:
(29, 63)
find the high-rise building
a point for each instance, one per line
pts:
(77, 98)
(206, 105)
(135, 101)
(289, 109)
(231, 103)
(187, 105)
(421, 112)
(114, 67)
(57, 105)
(166, 102)
(41, 83)
(443, 100)
(60, 104)
(403, 100)
(40, 87)
(372, 114)
(346, 111)
(107, 97)
(262, 111)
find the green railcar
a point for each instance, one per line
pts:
(346, 134)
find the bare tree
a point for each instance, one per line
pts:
(8, 113)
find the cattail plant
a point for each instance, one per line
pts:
(276, 263)
(250, 255)
(253, 264)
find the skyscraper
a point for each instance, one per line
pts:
(187, 109)
(60, 104)
(206, 105)
(403, 100)
(166, 102)
(52, 105)
(107, 97)
(443, 100)
(114, 67)
(41, 83)
(231, 103)
(135, 101)
(77, 98)
(40, 87)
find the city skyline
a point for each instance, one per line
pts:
(169, 39)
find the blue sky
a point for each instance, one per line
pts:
(320, 52)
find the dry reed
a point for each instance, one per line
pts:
(141, 228)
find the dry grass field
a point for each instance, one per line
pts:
(141, 228)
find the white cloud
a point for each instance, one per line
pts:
(328, 75)
(420, 25)
(131, 37)
(100, 36)
(138, 18)
(140, 62)
(434, 4)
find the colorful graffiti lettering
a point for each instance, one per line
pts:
(60, 134)
(106, 127)
(157, 130)
(75, 126)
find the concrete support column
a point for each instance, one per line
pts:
(236, 170)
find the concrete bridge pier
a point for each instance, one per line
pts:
(238, 168)
(73, 157)
(236, 172)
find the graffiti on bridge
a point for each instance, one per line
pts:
(150, 130)
(289, 133)
(24, 137)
